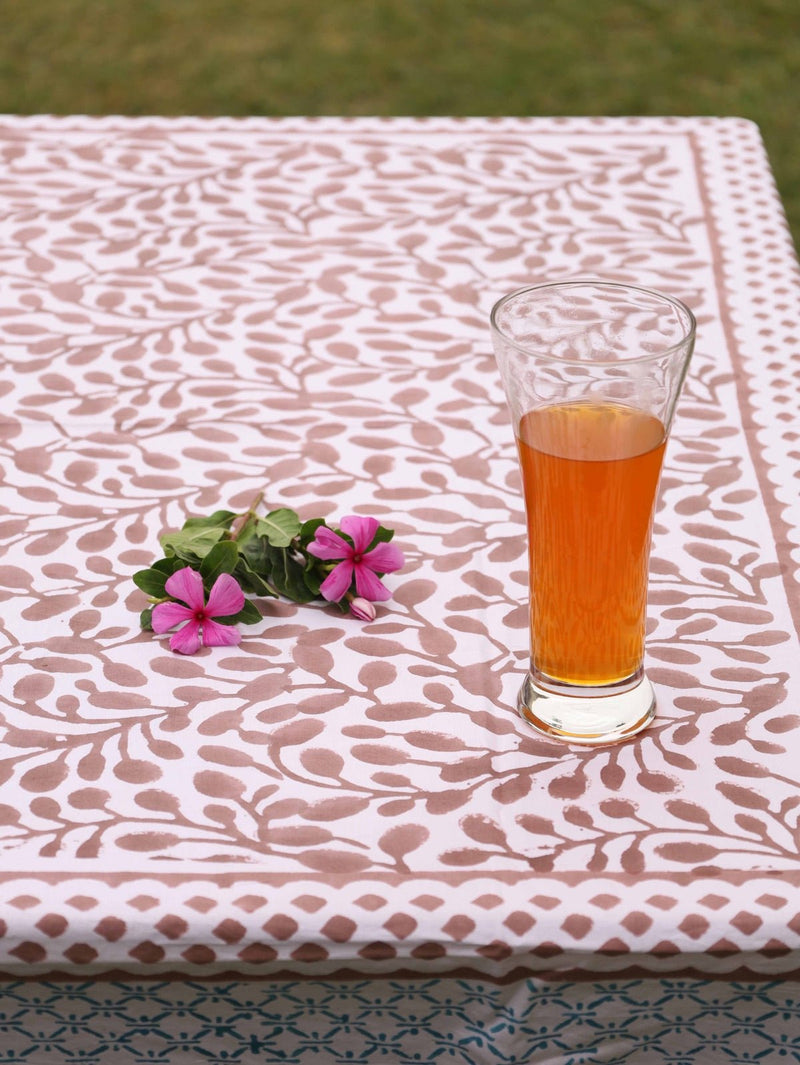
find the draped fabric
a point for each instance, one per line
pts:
(194, 310)
(467, 1022)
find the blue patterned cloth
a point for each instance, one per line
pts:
(464, 1022)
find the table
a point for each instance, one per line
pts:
(191, 310)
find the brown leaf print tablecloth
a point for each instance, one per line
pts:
(193, 309)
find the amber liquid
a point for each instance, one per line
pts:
(590, 474)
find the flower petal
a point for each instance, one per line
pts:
(186, 640)
(166, 615)
(225, 597)
(337, 582)
(328, 545)
(360, 530)
(368, 585)
(216, 635)
(187, 584)
(384, 558)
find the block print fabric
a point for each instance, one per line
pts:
(192, 310)
(467, 1022)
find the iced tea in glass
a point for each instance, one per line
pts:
(592, 371)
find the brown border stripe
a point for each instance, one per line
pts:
(780, 528)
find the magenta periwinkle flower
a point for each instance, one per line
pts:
(355, 560)
(224, 599)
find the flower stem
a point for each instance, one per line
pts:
(242, 520)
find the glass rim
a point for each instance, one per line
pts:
(596, 283)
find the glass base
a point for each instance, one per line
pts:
(589, 716)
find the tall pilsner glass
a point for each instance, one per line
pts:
(592, 371)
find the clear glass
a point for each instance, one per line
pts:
(592, 371)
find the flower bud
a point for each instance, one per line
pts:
(362, 609)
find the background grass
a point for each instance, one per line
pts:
(412, 57)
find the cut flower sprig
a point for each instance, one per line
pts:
(212, 563)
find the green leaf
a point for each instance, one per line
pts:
(382, 536)
(254, 553)
(191, 544)
(250, 581)
(247, 531)
(309, 528)
(279, 527)
(219, 519)
(166, 565)
(287, 575)
(146, 619)
(312, 577)
(151, 581)
(248, 615)
(222, 558)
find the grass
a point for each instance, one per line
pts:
(412, 57)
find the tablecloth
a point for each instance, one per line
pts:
(192, 310)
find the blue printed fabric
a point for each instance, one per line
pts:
(453, 1022)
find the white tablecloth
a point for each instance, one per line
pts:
(191, 310)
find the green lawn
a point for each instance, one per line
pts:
(392, 57)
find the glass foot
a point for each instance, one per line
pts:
(588, 716)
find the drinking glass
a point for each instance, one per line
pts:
(592, 371)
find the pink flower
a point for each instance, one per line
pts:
(362, 609)
(356, 560)
(225, 597)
